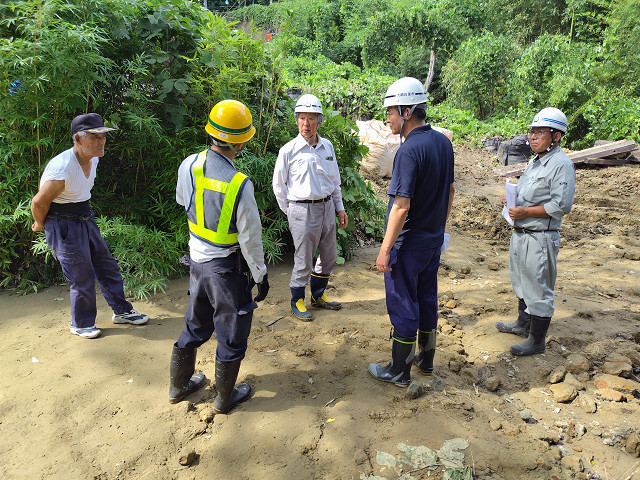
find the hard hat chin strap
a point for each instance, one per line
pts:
(551, 146)
(402, 119)
(220, 144)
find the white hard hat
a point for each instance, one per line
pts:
(308, 103)
(406, 91)
(550, 117)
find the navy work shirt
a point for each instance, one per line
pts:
(423, 172)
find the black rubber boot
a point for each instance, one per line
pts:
(228, 394)
(398, 371)
(297, 304)
(319, 299)
(426, 351)
(522, 324)
(182, 379)
(535, 343)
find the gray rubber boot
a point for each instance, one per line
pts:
(182, 379)
(228, 394)
(398, 371)
(522, 324)
(426, 351)
(535, 343)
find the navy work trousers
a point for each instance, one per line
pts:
(84, 256)
(219, 300)
(412, 290)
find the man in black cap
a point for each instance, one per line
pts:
(61, 210)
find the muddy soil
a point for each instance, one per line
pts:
(72, 408)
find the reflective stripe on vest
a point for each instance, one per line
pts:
(221, 237)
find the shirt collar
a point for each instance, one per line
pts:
(300, 143)
(544, 160)
(421, 128)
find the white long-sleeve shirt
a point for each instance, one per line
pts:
(247, 223)
(303, 172)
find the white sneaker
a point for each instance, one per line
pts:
(89, 332)
(132, 317)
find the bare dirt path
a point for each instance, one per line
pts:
(97, 409)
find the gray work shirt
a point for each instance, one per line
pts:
(549, 181)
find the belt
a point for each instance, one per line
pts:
(70, 218)
(320, 200)
(74, 208)
(524, 230)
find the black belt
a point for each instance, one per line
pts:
(73, 208)
(524, 230)
(321, 200)
(70, 218)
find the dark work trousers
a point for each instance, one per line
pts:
(84, 256)
(412, 290)
(219, 300)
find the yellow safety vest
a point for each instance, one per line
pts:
(220, 237)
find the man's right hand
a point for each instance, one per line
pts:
(37, 227)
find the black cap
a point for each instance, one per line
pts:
(89, 122)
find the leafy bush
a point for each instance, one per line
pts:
(621, 69)
(476, 76)
(608, 116)
(346, 88)
(553, 71)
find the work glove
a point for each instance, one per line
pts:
(263, 289)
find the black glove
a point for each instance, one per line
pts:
(263, 289)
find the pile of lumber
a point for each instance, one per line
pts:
(603, 153)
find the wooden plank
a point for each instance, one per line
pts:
(604, 161)
(600, 151)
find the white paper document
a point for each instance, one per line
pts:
(512, 192)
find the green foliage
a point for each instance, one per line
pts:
(524, 21)
(131, 245)
(554, 71)
(476, 77)
(466, 127)
(342, 87)
(621, 69)
(587, 19)
(266, 17)
(274, 221)
(608, 116)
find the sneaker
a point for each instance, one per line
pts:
(132, 317)
(89, 332)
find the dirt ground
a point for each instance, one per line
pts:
(72, 408)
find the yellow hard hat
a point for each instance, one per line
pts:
(230, 122)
